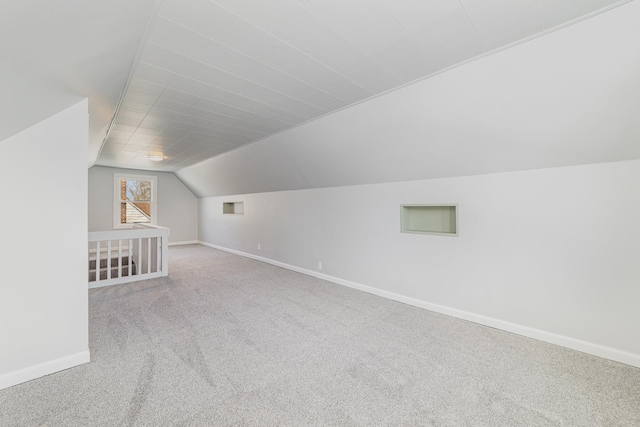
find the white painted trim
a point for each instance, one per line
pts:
(550, 337)
(125, 279)
(139, 231)
(31, 373)
(116, 199)
(187, 242)
(102, 250)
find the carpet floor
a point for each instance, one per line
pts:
(229, 341)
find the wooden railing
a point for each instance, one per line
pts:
(128, 255)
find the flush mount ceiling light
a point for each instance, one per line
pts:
(156, 157)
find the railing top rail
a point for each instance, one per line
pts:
(149, 226)
(129, 233)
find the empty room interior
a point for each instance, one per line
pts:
(320, 212)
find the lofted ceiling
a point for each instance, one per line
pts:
(215, 75)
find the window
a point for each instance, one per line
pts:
(134, 200)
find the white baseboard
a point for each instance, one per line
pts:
(550, 337)
(42, 369)
(188, 242)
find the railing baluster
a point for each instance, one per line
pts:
(119, 257)
(149, 255)
(158, 253)
(129, 256)
(165, 255)
(98, 261)
(109, 260)
(140, 256)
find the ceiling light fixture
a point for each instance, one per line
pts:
(156, 157)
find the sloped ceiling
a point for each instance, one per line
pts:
(570, 97)
(215, 75)
(202, 80)
(54, 53)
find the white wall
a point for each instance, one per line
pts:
(177, 206)
(43, 295)
(551, 253)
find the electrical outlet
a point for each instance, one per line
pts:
(319, 265)
(258, 246)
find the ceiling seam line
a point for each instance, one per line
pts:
(426, 55)
(475, 30)
(544, 24)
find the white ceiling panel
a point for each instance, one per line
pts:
(201, 139)
(176, 63)
(167, 104)
(254, 125)
(161, 115)
(149, 79)
(227, 137)
(120, 135)
(154, 84)
(270, 97)
(489, 13)
(457, 52)
(213, 22)
(147, 131)
(177, 38)
(445, 30)
(206, 76)
(309, 34)
(299, 64)
(140, 104)
(213, 75)
(354, 20)
(187, 84)
(400, 54)
(264, 14)
(178, 96)
(233, 100)
(221, 126)
(123, 128)
(558, 12)
(206, 106)
(382, 83)
(516, 28)
(267, 76)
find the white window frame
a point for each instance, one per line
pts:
(117, 177)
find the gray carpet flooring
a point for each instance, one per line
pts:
(230, 341)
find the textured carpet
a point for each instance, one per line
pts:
(226, 340)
